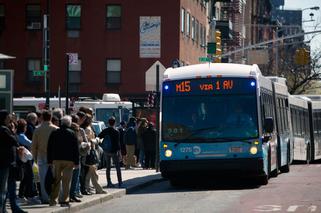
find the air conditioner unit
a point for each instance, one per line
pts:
(34, 26)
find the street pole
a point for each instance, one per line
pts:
(46, 60)
(270, 41)
(67, 85)
(157, 118)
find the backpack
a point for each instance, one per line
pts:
(106, 144)
(91, 158)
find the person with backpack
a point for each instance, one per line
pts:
(111, 147)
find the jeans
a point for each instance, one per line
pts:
(142, 158)
(11, 194)
(74, 186)
(115, 157)
(43, 168)
(27, 186)
(4, 174)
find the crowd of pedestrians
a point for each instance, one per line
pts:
(66, 154)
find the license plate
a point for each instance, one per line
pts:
(236, 149)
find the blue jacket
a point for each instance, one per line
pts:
(130, 136)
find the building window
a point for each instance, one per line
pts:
(113, 17)
(2, 17)
(33, 17)
(197, 31)
(33, 65)
(73, 12)
(75, 76)
(193, 28)
(201, 35)
(113, 71)
(188, 22)
(183, 20)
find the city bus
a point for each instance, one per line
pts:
(306, 121)
(201, 109)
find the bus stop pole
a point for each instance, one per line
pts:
(157, 118)
(67, 85)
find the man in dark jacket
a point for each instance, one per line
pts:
(8, 151)
(149, 141)
(113, 134)
(130, 140)
(63, 155)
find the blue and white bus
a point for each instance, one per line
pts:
(219, 118)
(306, 120)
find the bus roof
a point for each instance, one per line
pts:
(298, 101)
(212, 69)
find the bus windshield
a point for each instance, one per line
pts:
(209, 118)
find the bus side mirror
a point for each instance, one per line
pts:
(268, 125)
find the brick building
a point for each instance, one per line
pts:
(116, 41)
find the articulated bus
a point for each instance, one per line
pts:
(306, 120)
(221, 118)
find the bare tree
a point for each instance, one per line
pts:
(300, 78)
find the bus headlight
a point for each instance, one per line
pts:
(253, 150)
(168, 153)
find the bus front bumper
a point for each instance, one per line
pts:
(240, 166)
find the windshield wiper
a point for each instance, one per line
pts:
(247, 139)
(195, 132)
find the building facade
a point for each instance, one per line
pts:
(116, 42)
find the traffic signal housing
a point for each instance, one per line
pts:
(218, 41)
(302, 56)
(151, 99)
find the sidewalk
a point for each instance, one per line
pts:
(132, 180)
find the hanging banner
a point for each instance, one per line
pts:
(149, 36)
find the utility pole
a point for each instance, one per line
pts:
(67, 84)
(46, 52)
(157, 117)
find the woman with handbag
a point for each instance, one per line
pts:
(27, 186)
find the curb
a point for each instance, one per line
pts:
(99, 200)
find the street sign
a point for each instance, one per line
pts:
(204, 59)
(38, 73)
(150, 76)
(73, 58)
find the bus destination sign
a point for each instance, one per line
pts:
(209, 86)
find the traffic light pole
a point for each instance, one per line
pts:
(269, 42)
(157, 104)
(46, 54)
(67, 85)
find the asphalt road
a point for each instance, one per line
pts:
(297, 191)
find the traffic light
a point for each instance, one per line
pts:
(302, 56)
(218, 41)
(151, 99)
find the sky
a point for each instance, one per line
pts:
(308, 26)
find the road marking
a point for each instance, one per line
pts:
(293, 208)
(268, 208)
(312, 208)
(278, 208)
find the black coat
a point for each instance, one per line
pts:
(63, 145)
(149, 139)
(8, 145)
(114, 138)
